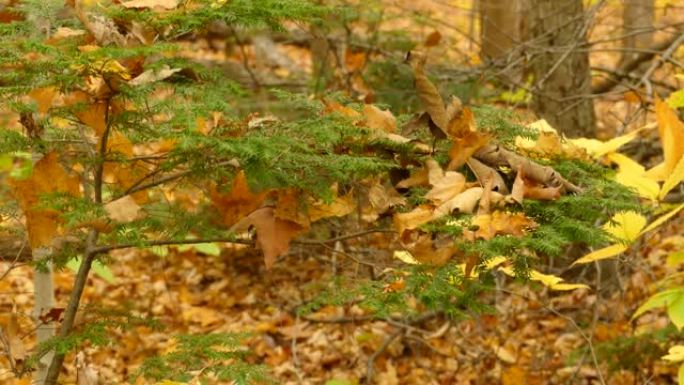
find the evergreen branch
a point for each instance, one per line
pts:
(169, 242)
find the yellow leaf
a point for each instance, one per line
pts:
(662, 219)
(405, 257)
(411, 220)
(675, 354)
(646, 187)
(657, 173)
(545, 279)
(604, 253)
(626, 226)
(671, 131)
(673, 179)
(626, 164)
(597, 148)
(568, 286)
(464, 202)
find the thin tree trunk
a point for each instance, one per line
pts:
(561, 71)
(637, 26)
(501, 27)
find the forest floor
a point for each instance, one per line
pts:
(534, 337)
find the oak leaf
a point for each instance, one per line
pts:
(48, 177)
(239, 202)
(273, 234)
(378, 119)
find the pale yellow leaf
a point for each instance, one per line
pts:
(464, 202)
(646, 187)
(626, 164)
(162, 4)
(406, 257)
(568, 286)
(675, 354)
(604, 253)
(626, 226)
(658, 172)
(675, 177)
(597, 148)
(662, 219)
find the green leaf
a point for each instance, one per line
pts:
(675, 311)
(675, 258)
(160, 251)
(676, 99)
(338, 381)
(209, 249)
(664, 298)
(98, 268)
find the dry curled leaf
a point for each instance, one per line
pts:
(237, 203)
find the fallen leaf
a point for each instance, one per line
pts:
(464, 202)
(152, 4)
(463, 148)
(501, 223)
(428, 93)
(339, 207)
(85, 373)
(152, 75)
(378, 119)
(445, 188)
(412, 219)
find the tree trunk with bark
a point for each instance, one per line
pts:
(637, 26)
(501, 27)
(562, 88)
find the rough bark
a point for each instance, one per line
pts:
(501, 27)
(561, 71)
(637, 24)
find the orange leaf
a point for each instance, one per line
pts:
(290, 208)
(433, 39)
(354, 61)
(411, 220)
(273, 234)
(671, 131)
(48, 177)
(239, 202)
(501, 223)
(43, 97)
(462, 148)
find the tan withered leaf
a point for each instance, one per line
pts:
(290, 207)
(381, 199)
(464, 202)
(274, 235)
(378, 119)
(90, 114)
(48, 177)
(484, 173)
(412, 219)
(237, 203)
(124, 174)
(17, 350)
(124, 210)
(427, 92)
(334, 107)
(524, 188)
(463, 148)
(425, 251)
(500, 223)
(43, 97)
(152, 4)
(461, 119)
(447, 187)
(339, 207)
(417, 178)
